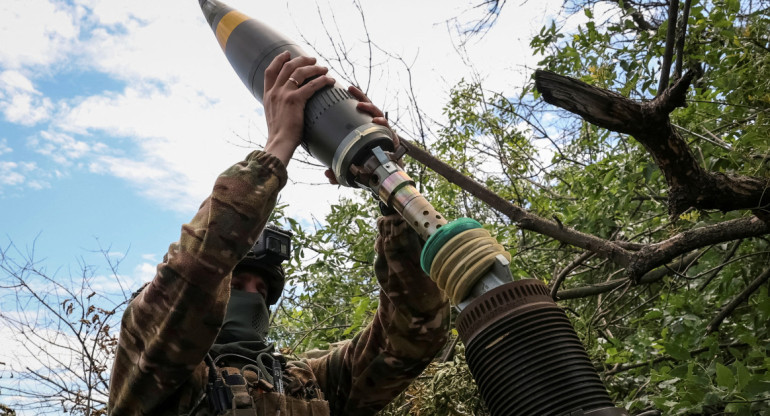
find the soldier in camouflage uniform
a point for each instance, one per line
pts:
(173, 324)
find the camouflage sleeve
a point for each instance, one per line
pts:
(167, 329)
(410, 326)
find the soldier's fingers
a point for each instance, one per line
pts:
(371, 109)
(272, 70)
(330, 176)
(306, 72)
(289, 67)
(364, 103)
(382, 121)
(358, 94)
(314, 85)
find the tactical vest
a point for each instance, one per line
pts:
(258, 389)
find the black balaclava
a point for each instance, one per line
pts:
(246, 319)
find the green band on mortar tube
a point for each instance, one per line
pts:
(441, 236)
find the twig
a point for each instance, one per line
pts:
(557, 281)
(716, 271)
(317, 327)
(650, 277)
(636, 15)
(681, 38)
(723, 145)
(742, 297)
(449, 350)
(665, 69)
(656, 360)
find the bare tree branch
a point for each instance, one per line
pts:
(523, 218)
(636, 15)
(559, 278)
(659, 253)
(63, 330)
(741, 298)
(725, 261)
(665, 68)
(682, 34)
(608, 286)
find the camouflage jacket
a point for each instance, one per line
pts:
(167, 330)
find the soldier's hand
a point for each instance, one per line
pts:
(378, 117)
(285, 98)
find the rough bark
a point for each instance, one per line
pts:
(664, 251)
(690, 186)
(604, 287)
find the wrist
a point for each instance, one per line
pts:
(280, 149)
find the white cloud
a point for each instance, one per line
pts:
(144, 273)
(602, 11)
(13, 80)
(4, 148)
(35, 32)
(22, 103)
(181, 140)
(26, 109)
(184, 141)
(111, 13)
(9, 174)
(60, 147)
(150, 257)
(133, 170)
(176, 47)
(117, 288)
(15, 174)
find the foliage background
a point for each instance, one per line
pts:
(649, 341)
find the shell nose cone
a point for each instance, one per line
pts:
(213, 10)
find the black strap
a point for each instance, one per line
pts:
(220, 398)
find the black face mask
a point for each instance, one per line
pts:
(246, 319)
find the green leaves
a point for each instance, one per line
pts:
(445, 388)
(724, 377)
(743, 376)
(677, 351)
(650, 338)
(658, 331)
(332, 291)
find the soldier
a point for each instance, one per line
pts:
(192, 341)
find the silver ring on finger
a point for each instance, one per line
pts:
(294, 81)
